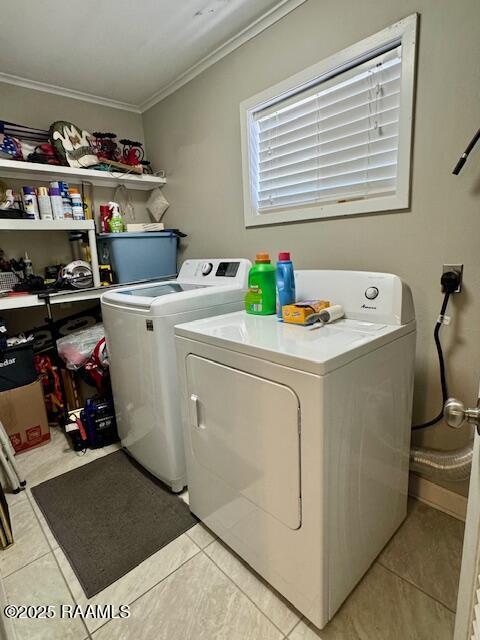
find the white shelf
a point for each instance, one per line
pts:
(32, 300)
(46, 225)
(20, 302)
(33, 171)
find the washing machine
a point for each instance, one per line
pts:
(297, 440)
(139, 325)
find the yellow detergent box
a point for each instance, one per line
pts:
(300, 312)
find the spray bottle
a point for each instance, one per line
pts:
(116, 224)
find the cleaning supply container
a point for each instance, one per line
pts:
(56, 203)
(44, 204)
(261, 295)
(30, 203)
(139, 256)
(285, 278)
(77, 204)
(116, 223)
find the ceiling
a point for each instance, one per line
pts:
(121, 50)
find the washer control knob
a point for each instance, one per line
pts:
(207, 268)
(371, 293)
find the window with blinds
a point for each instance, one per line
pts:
(338, 141)
(331, 146)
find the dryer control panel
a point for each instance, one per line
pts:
(369, 296)
(215, 271)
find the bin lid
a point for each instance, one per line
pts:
(140, 234)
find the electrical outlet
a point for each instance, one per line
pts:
(457, 268)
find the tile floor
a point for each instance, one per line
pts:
(196, 589)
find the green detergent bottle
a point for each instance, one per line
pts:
(261, 295)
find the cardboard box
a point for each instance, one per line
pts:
(303, 312)
(23, 414)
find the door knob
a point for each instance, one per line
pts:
(455, 414)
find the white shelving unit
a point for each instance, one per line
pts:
(18, 170)
(29, 171)
(24, 301)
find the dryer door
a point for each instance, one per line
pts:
(244, 433)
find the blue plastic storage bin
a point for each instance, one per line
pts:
(139, 256)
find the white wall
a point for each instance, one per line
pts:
(40, 109)
(195, 135)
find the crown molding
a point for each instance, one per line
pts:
(67, 93)
(269, 18)
(266, 20)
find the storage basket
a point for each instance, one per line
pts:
(8, 279)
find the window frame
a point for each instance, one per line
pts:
(403, 32)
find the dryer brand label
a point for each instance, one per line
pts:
(149, 324)
(366, 306)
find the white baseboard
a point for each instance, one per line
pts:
(438, 497)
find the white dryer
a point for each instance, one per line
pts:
(139, 325)
(297, 441)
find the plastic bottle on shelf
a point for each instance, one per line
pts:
(44, 204)
(56, 203)
(77, 204)
(30, 204)
(67, 204)
(67, 208)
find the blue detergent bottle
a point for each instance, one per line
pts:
(285, 281)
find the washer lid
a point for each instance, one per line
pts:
(159, 289)
(142, 296)
(319, 351)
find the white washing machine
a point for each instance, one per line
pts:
(139, 325)
(297, 441)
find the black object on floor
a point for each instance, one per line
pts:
(108, 516)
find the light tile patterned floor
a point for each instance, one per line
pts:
(196, 589)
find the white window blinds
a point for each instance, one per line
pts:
(332, 142)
